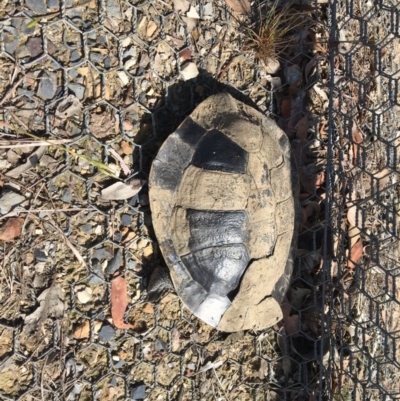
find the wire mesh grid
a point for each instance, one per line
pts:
(103, 79)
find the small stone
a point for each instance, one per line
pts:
(25, 92)
(8, 200)
(37, 6)
(67, 195)
(106, 333)
(189, 71)
(75, 56)
(35, 46)
(102, 253)
(126, 220)
(113, 382)
(131, 264)
(86, 228)
(84, 295)
(40, 256)
(113, 9)
(96, 277)
(79, 90)
(53, 3)
(115, 263)
(120, 364)
(160, 345)
(47, 85)
(11, 43)
(138, 391)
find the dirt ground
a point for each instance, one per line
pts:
(89, 90)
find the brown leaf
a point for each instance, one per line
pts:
(302, 129)
(239, 6)
(83, 331)
(11, 229)
(119, 302)
(355, 254)
(148, 308)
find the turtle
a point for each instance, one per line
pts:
(222, 195)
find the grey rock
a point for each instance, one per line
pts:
(8, 200)
(119, 364)
(96, 57)
(102, 253)
(106, 333)
(75, 56)
(37, 6)
(53, 3)
(160, 345)
(40, 256)
(86, 228)
(138, 391)
(11, 42)
(25, 92)
(126, 220)
(144, 199)
(131, 264)
(113, 382)
(22, 52)
(35, 46)
(113, 9)
(67, 195)
(47, 85)
(115, 263)
(79, 90)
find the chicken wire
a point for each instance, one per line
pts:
(124, 61)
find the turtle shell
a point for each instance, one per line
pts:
(223, 208)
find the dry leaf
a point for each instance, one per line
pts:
(302, 129)
(148, 308)
(121, 191)
(175, 340)
(239, 6)
(151, 28)
(119, 302)
(11, 229)
(210, 365)
(355, 254)
(83, 330)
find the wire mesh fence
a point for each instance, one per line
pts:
(106, 81)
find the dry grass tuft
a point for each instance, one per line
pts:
(271, 35)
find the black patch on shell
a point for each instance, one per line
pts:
(208, 228)
(217, 152)
(190, 132)
(218, 269)
(165, 175)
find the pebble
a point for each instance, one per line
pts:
(67, 195)
(47, 85)
(79, 90)
(12, 42)
(86, 228)
(35, 46)
(75, 56)
(189, 71)
(96, 277)
(8, 200)
(102, 253)
(40, 256)
(115, 263)
(126, 220)
(113, 9)
(84, 295)
(106, 333)
(138, 391)
(37, 6)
